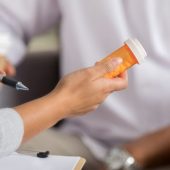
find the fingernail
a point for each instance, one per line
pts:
(117, 60)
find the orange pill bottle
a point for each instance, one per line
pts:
(132, 52)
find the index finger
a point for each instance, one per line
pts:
(123, 75)
(102, 68)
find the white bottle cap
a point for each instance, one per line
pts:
(137, 49)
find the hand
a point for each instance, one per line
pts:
(84, 90)
(6, 66)
(77, 93)
(2, 73)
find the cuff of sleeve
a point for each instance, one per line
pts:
(11, 131)
(12, 47)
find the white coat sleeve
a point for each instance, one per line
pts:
(22, 19)
(11, 131)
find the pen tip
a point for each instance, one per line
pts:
(20, 86)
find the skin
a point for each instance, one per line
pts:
(152, 150)
(76, 94)
(6, 66)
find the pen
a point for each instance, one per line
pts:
(13, 83)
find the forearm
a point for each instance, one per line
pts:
(152, 150)
(76, 94)
(41, 114)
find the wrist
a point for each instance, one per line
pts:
(143, 154)
(59, 104)
(120, 159)
(135, 152)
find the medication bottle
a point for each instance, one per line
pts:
(132, 52)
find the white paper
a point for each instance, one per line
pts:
(24, 162)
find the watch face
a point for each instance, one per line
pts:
(116, 159)
(116, 163)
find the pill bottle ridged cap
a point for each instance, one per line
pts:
(137, 49)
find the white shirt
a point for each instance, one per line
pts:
(90, 30)
(11, 131)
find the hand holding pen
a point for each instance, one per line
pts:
(6, 66)
(12, 83)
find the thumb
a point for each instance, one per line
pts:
(102, 68)
(2, 73)
(10, 69)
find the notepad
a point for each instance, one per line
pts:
(18, 161)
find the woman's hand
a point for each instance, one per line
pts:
(6, 66)
(76, 94)
(84, 90)
(2, 73)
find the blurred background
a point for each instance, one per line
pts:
(39, 70)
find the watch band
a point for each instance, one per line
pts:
(120, 159)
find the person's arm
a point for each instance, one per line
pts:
(19, 21)
(76, 94)
(152, 150)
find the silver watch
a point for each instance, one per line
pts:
(119, 159)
